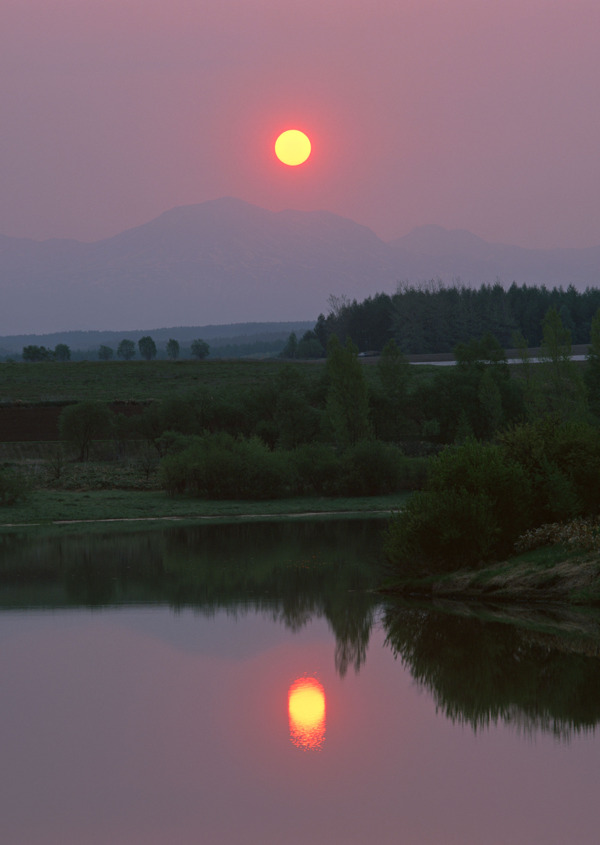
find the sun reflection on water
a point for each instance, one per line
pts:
(306, 708)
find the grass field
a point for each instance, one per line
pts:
(109, 381)
(47, 507)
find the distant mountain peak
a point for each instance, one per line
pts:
(226, 260)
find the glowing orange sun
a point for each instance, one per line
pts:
(292, 147)
(306, 709)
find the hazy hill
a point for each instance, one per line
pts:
(216, 336)
(227, 261)
(218, 262)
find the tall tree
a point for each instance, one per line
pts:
(592, 370)
(199, 348)
(172, 349)
(532, 396)
(309, 346)
(83, 422)
(564, 386)
(62, 352)
(126, 350)
(390, 395)
(147, 348)
(291, 347)
(347, 398)
(105, 353)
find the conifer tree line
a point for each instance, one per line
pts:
(431, 318)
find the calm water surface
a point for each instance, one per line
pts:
(240, 684)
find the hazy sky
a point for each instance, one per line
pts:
(476, 114)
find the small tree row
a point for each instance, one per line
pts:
(61, 352)
(147, 349)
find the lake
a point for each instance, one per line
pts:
(245, 684)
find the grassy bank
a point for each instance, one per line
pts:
(551, 574)
(80, 508)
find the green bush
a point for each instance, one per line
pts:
(441, 531)
(218, 466)
(475, 504)
(479, 498)
(413, 472)
(14, 487)
(371, 468)
(317, 468)
(562, 461)
(487, 469)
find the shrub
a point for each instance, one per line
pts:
(317, 469)
(371, 468)
(475, 504)
(441, 531)
(562, 461)
(14, 487)
(217, 466)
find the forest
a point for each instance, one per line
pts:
(433, 318)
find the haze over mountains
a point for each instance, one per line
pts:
(227, 261)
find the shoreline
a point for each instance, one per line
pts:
(82, 510)
(548, 575)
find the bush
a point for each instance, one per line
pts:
(413, 472)
(475, 504)
(562, 461)
(14, 487)
(317, 469)
(371, 468)
(441, 531)
(176, 415)
(217, 466)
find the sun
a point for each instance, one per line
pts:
(292, 147)
(306, 709)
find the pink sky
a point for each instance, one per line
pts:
(475, 114)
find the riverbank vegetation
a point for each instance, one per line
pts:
(491, 450)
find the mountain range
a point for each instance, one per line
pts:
(227, 261)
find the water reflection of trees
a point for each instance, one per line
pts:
(482, 672)
(291, 572)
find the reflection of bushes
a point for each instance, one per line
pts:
(290, 571)
(293, 571)
(480, 673)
